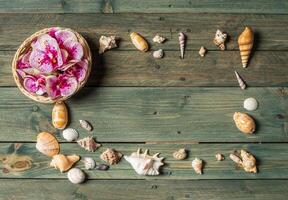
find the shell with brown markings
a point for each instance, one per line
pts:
(60, 115)
(244, 122)
(139, 42)
(47, 144)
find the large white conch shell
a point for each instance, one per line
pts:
(144, 164)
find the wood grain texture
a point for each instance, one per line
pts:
(131, 114)
(149, 6)
(200, 29)
(144, 189)
(272, 161)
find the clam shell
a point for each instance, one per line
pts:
(59, 115)
(89, 163)
(139, 42)
(244, 122)
(64, 163)
(47, 144)
(86, 125)
(76, 176)
(180, 154)
(250, 104)
(245, 42)
(70, 134)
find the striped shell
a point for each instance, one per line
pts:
(76, 176)
(244, 122)
(182, 41)
(59, 115)
(70, 134)
(47, 144)
(245, 42)
(64, 163)
(139, 42)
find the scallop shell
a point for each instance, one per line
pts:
(250, 104)
(245, 42)
(241, 83)
(159, 39)
(202, 51)
(158, 54)
(182, 41)
(70, 134)
(89, 144)
(89, 163)
(106, 43)
(197, 165)
(111, 156)
(219, 157)
(139, 42)
(245, 160)
(180, 154)
(47, 144)
(76, 176)
(220, 39)
(144, 164)
(59, 115)
(64, 163)
(86, 125)
(244, 122)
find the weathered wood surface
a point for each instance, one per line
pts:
(147, 6)
(128, 114)
(129, 68)
(270, 30)
(271, 158)
(143, 189)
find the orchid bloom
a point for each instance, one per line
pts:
(35, 84)
(78, 70)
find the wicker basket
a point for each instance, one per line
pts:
(26, 46)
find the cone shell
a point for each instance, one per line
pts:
(47, 144)
(244, 122)
(59, 115)
(245, 42)
(64, 163)
(139, 42)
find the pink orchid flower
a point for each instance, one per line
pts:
(35, 84)
(78, 70)
(24, 61)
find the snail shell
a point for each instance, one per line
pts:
(70, 134)
(89, 163)
(180, 154)
(64, 163)
(197, 165)
(85, 124)
(182, 41)
(76, 176)
(59, 115)
(245, 42)
(244, 122)
(139, 42)
(47, 144)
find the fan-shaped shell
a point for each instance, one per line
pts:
(76, 175)
(70, 134)
(47, 144)
(89, 163)
(59, 115)
(245, 41)
(180, 154)
(244, 122)
(139, 42)
(64, 163)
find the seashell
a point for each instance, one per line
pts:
(47, 144)
(102, 167)
(159, 39)
(219, 157)
(202, 51)
(244, 122)
(245, 160)
(197, 165)
(59, 115)
(180, 154)
(245, 42)
(241, 83)
(158, 54)
(89, 144)
(139, 42)
(89, 163)
(182, 41)
(220, 39)
(250, 104)
(76, 176)
(144, 164)
(70, 134)
(64, 163)
(86, 125)
(106, 43)
(111, 156)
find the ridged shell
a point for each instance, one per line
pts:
(182, 41)
(106, 43)
(89, 163)
(64, 163)
(158, 54)
(245, 42)
(241, 83)
(59, 115)
(86, 125)
(220, 39)
(244, 122)
(89, 144)
(76, 176)
(197, 165)
(47, 144)
(250, 104)
(70, 134)
(139, 42)
(180, 154)
(111, 156)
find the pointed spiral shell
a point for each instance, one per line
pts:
(245, 42)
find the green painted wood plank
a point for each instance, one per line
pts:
(148, 6)
(200, 29)
(129, 68)
(143, 189)
(272, 159)
(133, 114)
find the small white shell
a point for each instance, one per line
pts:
(159, 39)
(89, 163)
(76, 176)
(85, 124)
(202, 51)
(158, 54)
(219, 157)
(197, 165)
(250, 104)
(70, 134)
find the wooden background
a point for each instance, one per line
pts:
(135, 101)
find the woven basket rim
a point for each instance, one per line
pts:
(26, 46)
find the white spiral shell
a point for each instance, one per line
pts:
(76, 176)
(70, 134)
(89, 163)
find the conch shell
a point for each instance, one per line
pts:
(144, 164)
(111, 156)
(89, 144)
(220, 39)
(106, 43)
(64, 163)
(244, 122)
(241, 83)
(139, 42)
(197, 165)
(245, 42)
(180, 154)
(47, 144)
(246, 160)
(59, 115)
(182, 41)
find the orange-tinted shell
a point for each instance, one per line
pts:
(47, 144)
(245, 41)
(64, 163)
(139, 42)
(244, 122)
(59, 115)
